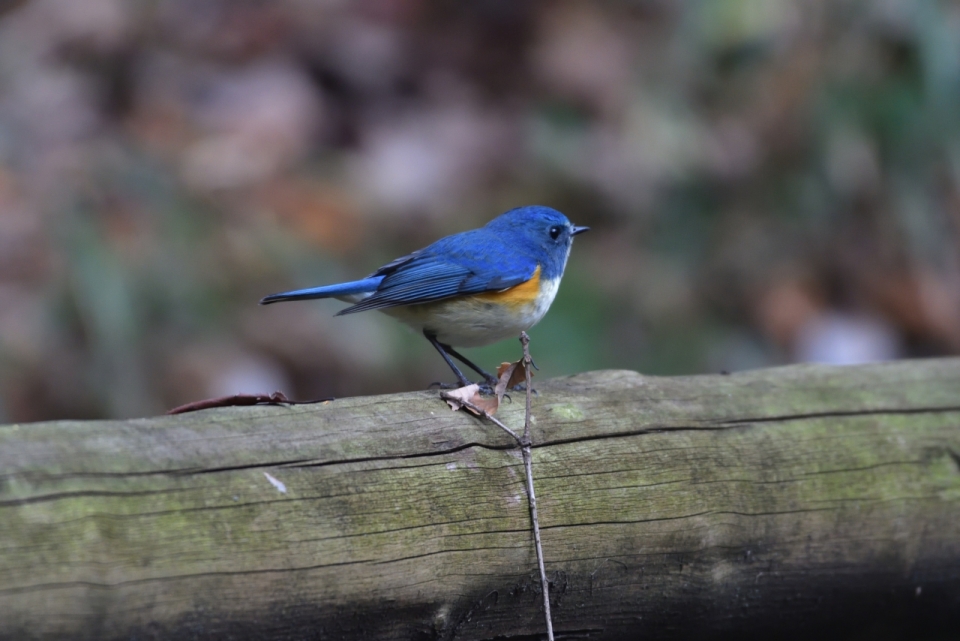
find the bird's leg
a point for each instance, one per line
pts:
(464, 381)
(487, 376)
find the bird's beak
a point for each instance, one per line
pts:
(578, 230)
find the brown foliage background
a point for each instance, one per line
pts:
(768, 181)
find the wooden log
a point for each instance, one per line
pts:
(770, 502)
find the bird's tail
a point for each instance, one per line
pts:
(327, 291)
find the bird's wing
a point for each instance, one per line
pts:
(469, 263)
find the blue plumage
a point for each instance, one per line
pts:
(469, 263)
(327, 291)
(449, 289)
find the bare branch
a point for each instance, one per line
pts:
(531, 496)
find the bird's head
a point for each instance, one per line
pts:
(541, 231)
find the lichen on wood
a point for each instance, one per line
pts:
(669, 507)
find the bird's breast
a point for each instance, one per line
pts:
(518, 296)
(481, 319)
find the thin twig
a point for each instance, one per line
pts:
(527, 448)
(528, 468)
(545, 584)
(277, 398)
(527, 364)
(483, 414)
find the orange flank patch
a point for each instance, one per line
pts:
(516, 296)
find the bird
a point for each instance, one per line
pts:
(469, 289)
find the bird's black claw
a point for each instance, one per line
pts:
(486, 389)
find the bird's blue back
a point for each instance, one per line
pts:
(504, 253)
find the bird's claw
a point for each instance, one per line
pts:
(522, 387)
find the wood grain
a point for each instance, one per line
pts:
(775, 501)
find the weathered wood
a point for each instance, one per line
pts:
(671, 507)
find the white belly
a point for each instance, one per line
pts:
(472, 322)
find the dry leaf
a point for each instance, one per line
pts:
(509, 375)
(458, 398)
(489, 405)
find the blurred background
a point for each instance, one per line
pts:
(768, 181)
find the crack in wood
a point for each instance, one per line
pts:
(28, 500)
(66, 585)
(653, 429)
(522, 546)
(952, 453)
(687, 516)
(844, 413)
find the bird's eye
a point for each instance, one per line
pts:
(555, 231)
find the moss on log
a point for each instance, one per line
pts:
(774, 500)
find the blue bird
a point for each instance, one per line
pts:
(469, 289)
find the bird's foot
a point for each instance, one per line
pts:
(522, 387)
